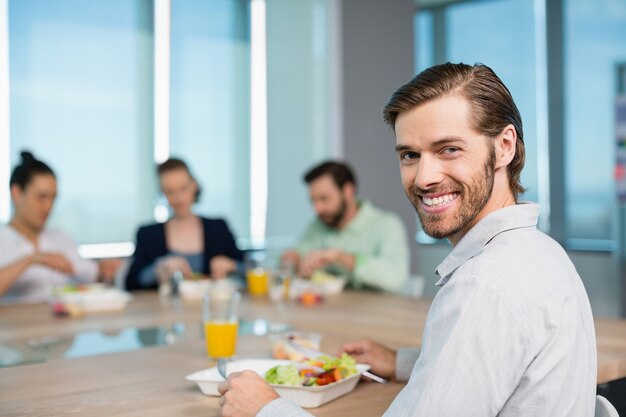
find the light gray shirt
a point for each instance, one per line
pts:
(510, 333)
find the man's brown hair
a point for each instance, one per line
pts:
(491, 102)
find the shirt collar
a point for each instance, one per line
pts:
(362, 215)
(508, 218)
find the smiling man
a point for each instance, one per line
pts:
(510, 332)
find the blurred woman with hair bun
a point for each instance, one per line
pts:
(33, 258)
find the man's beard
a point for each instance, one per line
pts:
(472, 199)
(337, 216)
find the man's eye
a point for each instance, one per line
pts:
(408, 156)
(450, 150)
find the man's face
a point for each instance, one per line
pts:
(447, 168)
(34, 203)
(329, 201)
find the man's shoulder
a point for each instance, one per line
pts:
(525, 264)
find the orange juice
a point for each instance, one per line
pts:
(221, 338)
(257, 281)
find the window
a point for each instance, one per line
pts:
(300, 109)
(82, 99)
(425, 54)
(210, 111)
(594, 47)
(80, 81)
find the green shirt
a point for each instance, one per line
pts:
(378, 240)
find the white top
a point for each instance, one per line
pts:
(36, 282)
(509, 334)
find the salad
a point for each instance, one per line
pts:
(320, 371)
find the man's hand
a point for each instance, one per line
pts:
(290, 258)
(381, 358)
(244, 394)
(320, 259)
(107, 268)
(167, 265)
(56, 261)
(221, 266)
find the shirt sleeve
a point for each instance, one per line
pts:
(405, 360)
(283, 408)
(474, 351)
(388, 269)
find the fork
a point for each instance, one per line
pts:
(312, 353)
(222, 367)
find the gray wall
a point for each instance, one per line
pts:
(377, 53)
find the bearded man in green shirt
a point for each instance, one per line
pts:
(350, 236)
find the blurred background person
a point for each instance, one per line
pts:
(33, 258)
(186, 243)
(350, 236)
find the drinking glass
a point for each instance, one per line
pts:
(220, 315)
(257, 274)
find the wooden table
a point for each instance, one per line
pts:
(150, 381)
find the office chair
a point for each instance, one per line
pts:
(604, 408)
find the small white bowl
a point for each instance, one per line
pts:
(194, 290)
(97, 300)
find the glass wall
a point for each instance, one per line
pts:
(81, 88)
(595, 43)
(300, 104)
(210, 111)
(81, 100)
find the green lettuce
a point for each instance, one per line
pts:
(283, 375)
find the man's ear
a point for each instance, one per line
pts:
(349, 191)
(505, 146)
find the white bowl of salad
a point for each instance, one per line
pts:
(308, 384)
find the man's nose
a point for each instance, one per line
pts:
(429, 172)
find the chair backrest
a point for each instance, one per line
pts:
(604, 408)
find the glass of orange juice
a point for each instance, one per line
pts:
(220, 322)
(257, 279)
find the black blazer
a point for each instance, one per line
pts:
(150, 245)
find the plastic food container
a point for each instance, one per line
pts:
(308, 397)
(91, 299)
